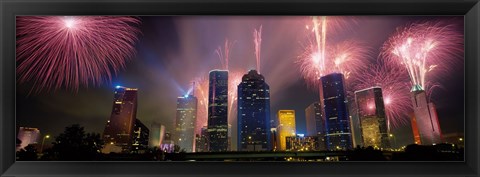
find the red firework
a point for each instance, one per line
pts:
(56, 51)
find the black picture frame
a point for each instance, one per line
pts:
(11, 8)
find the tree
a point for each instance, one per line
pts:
(75, 144)
(28, 153)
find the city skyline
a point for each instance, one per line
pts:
(296, 84)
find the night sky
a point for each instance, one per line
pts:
(172, 51)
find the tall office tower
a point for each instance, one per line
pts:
(253, 113)
(373, 121)
(185, 122)
(201, 144)
(315, 123)
(337, 120)
(425, 117)
(218, 110)
(140, 138)
(119, 129)
(157, 133)
(28, 136)
(273, 139)
(286, 127)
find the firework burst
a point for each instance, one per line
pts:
(423, 48)
(201, 93)
(395, 91)
(224, 55)
(322, 57)
(234, 79)
(56, 51)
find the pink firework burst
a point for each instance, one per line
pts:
(224, 55)
(257, 41)
(395, 91)
(347, 57)
(57, 51)
(423, 48)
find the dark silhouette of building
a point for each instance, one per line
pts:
(218, 111)
(315, 124)
(140, 138)
(371, 114)
(119, 129)
(337, 120)
(201, 144)
(185, 122)
(253, 113)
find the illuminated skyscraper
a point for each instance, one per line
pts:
(157, 133)
(218, 111)
(253, 113)
(185, 122)
(315, 124)
(337, 120)
(425, 117)
(28, 136)
(373, 121)
(140, 138)
(119, 129)
(286, 127)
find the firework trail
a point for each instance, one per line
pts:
(395, 91)
(422, 48)
(201, 93)
(322, 57)
(257, 40)
(224, 55)
(56, 51)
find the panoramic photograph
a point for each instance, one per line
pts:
(240, 88)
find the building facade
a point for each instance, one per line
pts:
(337, 120)
(119, 129)
(426, 118)
(28, 136)
(302, 143)
(315, 123)
(140, 138)
(372, 117)
(285, 127)
(185, 122)
(156, 136)
(201, 141)
(253, 113)
(218, 111)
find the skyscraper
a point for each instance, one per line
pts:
(373, 121)
(157, 133)
(28, 136)
(253, 113)
(218, 110)
(315, 123)
(425, 117)
(286, 127)
(140, 138)
(201, 144)
(119, 129)
(185, 122)
(337, 120)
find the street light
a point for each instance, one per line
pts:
(43, 142)
(394, 139)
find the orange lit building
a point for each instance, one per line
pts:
(286, 127)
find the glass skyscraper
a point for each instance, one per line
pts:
(426, 119)
(285, 128)
(119, 129)
(218, 110)
(253, 113)
(372, 118)
(185, 122)
(337, 120)
(315, 123)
